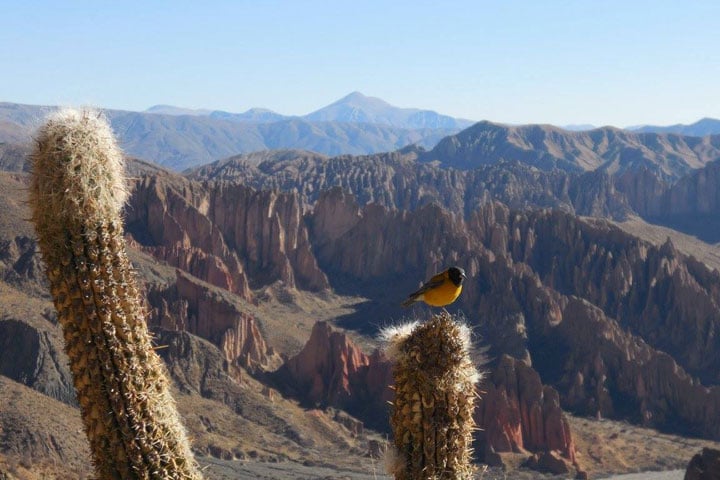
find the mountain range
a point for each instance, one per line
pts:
(546, 147)
(181, 138)
(704, 126)
(268, 275)
(353, 108)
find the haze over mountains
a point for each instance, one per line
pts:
(180, 138)
(704, 126)
(353, 108)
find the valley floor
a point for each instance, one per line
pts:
(235, 470)
(669, 475)
(612, 448)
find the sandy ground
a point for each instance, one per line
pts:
(670, 475)
(241, 470)
(227, 470)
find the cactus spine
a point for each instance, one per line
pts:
(432, 414)
(77, 193)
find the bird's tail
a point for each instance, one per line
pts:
(409, 301)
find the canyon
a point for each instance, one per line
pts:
(269, 275)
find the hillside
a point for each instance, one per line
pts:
(690, 205)
(701, 128)
(398, 180)
(608, 149)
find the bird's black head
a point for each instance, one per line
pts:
(457, 275)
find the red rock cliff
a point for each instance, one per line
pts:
(332, 370)
(217, 232)
(189, 305)
(516, 412)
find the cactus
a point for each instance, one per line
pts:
(432, 414)
(77, 193)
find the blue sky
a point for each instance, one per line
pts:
(562, 62)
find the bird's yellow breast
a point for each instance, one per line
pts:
(442, 295)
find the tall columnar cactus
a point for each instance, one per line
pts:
(77, 193)
(432, 414)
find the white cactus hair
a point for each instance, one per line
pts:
(73, 183)
(394, 335)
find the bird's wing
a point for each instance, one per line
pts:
(434, 282)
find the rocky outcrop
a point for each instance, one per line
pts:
(381, 241)
(667, 298)
(396, 180)
(612, 373)
(693, 194)
(20, 265)
(696, 193)
(267, 230)
(189, 305)
(644, 190)
(34, 357)
(217, 232)
(516, 413)
(598, 367)
(690, 205)
(196, 365)
(331, 370)
(167, 217)
(704, 466)
(548, 462)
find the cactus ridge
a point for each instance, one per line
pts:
(77, 194)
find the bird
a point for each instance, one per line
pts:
(441, 290)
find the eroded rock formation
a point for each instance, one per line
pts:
(331, 370)
(33, 355)
(217, 232)
(516, 412)
(189, 305)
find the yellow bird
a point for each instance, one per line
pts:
(441, 290)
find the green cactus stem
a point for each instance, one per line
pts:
(77, 193)
(432, 414)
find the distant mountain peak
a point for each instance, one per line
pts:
(260, 110)
(173, 110)
(704, 126)
(354, 95)
(356, 107)
(358, 99)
